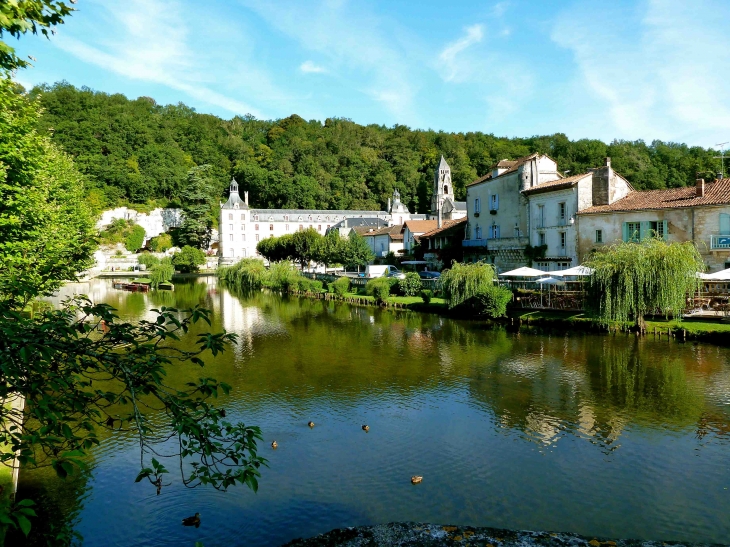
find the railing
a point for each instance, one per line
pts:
(720, 242)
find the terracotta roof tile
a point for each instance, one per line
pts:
(420, 226)
(512, 165)
(558, 184)
(716, 193)
(446, 225)
(393, 231)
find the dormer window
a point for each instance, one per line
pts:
(256, 217)
(235, 205)
(271, 218)
(286, 218)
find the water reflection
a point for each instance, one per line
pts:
(598, 435)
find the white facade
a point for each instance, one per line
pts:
(155, 223)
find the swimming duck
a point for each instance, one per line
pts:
(192, 521)
(366, 428)
(310, 424)
(415, 479)
(274, 445)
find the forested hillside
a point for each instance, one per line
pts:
(138, 151)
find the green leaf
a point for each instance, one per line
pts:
(23, 523)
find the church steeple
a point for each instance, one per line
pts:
(443, 189)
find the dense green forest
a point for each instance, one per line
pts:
(136, 151)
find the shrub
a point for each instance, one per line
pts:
(305, 284)
(282, 276)
(188, 259)
(161, 273)
(411, 285)
(135, 238)
(379, 288)
(464, 281)
(148, 260)
(341, 286)
(161, 243)
(493, 301)
(427, 296)
(246, 275)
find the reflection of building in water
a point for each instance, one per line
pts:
(96, 289)
(586, 421)
(542, 427)
(238, 319)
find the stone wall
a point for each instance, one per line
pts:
(155, 223)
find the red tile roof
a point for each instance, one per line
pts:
(716, 193)
(558, 184)
(445, 225)
(420, 226)
(511, 165)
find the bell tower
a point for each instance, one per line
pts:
(442, 188)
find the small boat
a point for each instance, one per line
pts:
(166, 287)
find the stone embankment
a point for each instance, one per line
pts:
(435, 535)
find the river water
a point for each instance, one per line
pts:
(597, 435)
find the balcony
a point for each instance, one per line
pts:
(474, 243)
(720, 242)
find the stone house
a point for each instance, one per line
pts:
(383, 240)
(553, 205)
(413, 229)
(700, 214)
(497, 209)
(443, 245)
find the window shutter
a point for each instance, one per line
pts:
(496, 202)
(626, 231)
(665, 231)
(496, 232)
(724, 224)
(645, 230)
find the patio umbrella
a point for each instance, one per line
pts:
(576, 271)
(523, 272)
(548, 281)
(722, 275)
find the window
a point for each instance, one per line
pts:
(632, 231)
(561, 212)
(286, 217)
(517, 230)
(256, 217)
(257, 237)
(286, 227)
(494, 202)
(309, 218)
(301, 227)
(231, 237)
(256, 227)
(243, 253)
(542, 239)
(656, 229)
(540, 216)
(494, 231)
(477, 205)
(243, 217)
(271, 227)
(724, 224)
(230, 227)
(243, 227)
(243, 237)
(230, 216)
(599, 236)
(562, 240)
(319, 227)
(477, 233)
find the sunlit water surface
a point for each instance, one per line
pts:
(598, 435)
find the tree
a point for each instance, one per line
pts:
(357, 253)
(134, 239)
(631, 280)
(22, 16)
(462, 282)
(197, 199)
(305, 245)
(330, 249)
(46, 230)
(188, 259)
(161, 273)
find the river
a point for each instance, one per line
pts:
(610, 436)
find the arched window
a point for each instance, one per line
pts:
(446, 188)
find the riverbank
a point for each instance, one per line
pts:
(415, 534)
(549, 321)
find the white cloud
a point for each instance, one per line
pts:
(153, 45)
(308, 67)
(449, 56)
(660, 72)
(365, 48)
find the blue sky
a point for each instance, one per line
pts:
(620, 69)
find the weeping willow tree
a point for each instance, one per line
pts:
(464, 281)
(247, 274)
(631, 280)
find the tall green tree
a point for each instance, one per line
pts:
(631, 280)
(305, 245)
(46, 229)
(357, 253)
(198, 200)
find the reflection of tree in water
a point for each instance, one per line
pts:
(592, 387)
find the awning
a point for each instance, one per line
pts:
(523, 272)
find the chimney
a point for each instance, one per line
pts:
(700, 185)
(607, 162)
(438, 224)
(245, 197)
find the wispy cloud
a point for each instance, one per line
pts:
(308, 67)
(154, 46)
(360, 44)
(452, 67)
(660, 77)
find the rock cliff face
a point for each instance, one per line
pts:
(154, 223)
(435, 535)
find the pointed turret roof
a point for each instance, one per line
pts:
(443, 164)
(234, 199)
